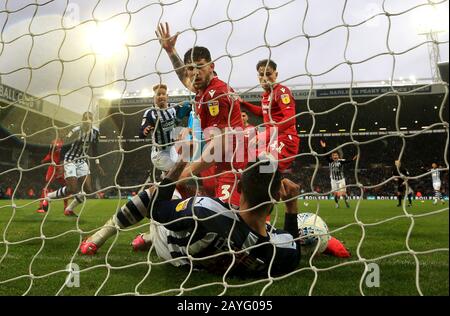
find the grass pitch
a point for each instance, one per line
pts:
(39, 247)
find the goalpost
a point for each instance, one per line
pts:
(59, 59)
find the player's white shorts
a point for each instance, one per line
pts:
(158, 237)
(338, 186)
(76, 169)
(164, 159)
(437, 186)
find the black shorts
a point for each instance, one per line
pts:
(401, 188)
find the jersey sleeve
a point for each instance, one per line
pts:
(183, 110)
(257, 110)
(286, 103)
(48, 157)
(71, 136)
(178, 215)
(147, 120)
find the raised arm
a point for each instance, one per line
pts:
(257, 110)
(346, 161)
(168, 44)
(48, 157)
(324, 145)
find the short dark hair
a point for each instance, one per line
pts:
(197, 53)
(256, 185)
(266, 62)
(159, 86)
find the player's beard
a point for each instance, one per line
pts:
(203, 84)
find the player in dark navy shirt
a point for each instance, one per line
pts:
(218, 232)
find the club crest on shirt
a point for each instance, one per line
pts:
(182, 205)
(213, 107)
(285, 99)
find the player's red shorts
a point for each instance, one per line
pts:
(209, 185)
(226, 188)
(284, 149)
(288, 147)
(55, 175)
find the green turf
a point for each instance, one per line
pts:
(41, 258)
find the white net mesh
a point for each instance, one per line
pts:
(59, 59)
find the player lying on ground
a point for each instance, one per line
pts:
(217, 229)
(55, 173)
(76, 168)
(159, 122)
(336, 165)
(436, 181)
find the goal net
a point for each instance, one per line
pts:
(366, 84)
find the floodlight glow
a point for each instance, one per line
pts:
(146, 93)
(430, 19)
(111, 95)
(107, 38)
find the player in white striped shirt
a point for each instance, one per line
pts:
(79, 142)
(336, 165)
(159, 122)
(436, 179)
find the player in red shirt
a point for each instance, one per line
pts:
(54, 173)
(219, 113)
(277, 110)
(248, 128)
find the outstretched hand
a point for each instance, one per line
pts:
(323, 144)
(288, 191)
(167, 42)
(147, 130)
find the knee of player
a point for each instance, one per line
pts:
(73, 188)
